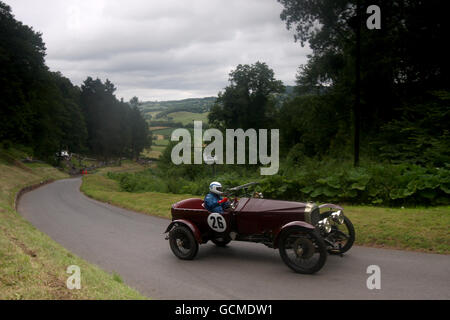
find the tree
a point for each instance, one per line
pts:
(39, 108)
(114, 128)
(134, 102)
(140, 135)
(22, 67)
(247, 102)
(45, 111)
(311, 123)
(401, 63)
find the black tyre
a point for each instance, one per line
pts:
(183, 243)
(343, 236)
(221, 242)
(302, 251)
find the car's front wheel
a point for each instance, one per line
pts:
(343, 236)
(183, 243)
(302, 251)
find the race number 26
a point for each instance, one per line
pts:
(217, 222)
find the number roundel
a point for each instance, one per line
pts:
(217, 222)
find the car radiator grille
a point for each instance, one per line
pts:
(312, 214)
(315, 216)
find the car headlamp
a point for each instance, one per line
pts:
(325, 225)
(338, 217)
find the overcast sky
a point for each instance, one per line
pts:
(162, 50)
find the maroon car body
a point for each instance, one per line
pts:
(287, 225)
(251, 216)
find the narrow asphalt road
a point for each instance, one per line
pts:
(133, 245)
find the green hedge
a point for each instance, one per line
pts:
(375, 184)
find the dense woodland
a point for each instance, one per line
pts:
(45, 113)
(403, 110)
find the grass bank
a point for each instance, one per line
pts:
(418, 229)
(32, 265)
(101, 188)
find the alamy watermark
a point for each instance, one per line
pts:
(74, 281)
(257, 147)
(374, 280)
(374, 20)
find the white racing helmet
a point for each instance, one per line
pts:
(215, 187)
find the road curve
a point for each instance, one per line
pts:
(132, 245)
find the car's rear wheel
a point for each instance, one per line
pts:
(302, 251)
(183, 243)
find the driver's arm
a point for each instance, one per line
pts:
(225, 203)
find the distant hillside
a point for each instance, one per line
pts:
(184, 112)
(165, 116)
(196, 105)
(282, 97)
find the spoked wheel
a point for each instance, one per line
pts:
(221, 242)
(183, 243)
(302, 251)
(342, 235)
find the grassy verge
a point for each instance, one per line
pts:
(418, 229)
(32, 265)
(107, 190)
(127, 166)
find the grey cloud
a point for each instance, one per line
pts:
(162, 49)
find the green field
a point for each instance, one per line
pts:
(165, 132)
(32, 265)
(159, 143)
(152, 154)
(188, 117)
(182, 117)
(158, 148)
(152, 114)
(190, 104)
(418, 229)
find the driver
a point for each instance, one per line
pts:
(213, 200)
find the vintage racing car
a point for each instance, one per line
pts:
(304, 233)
